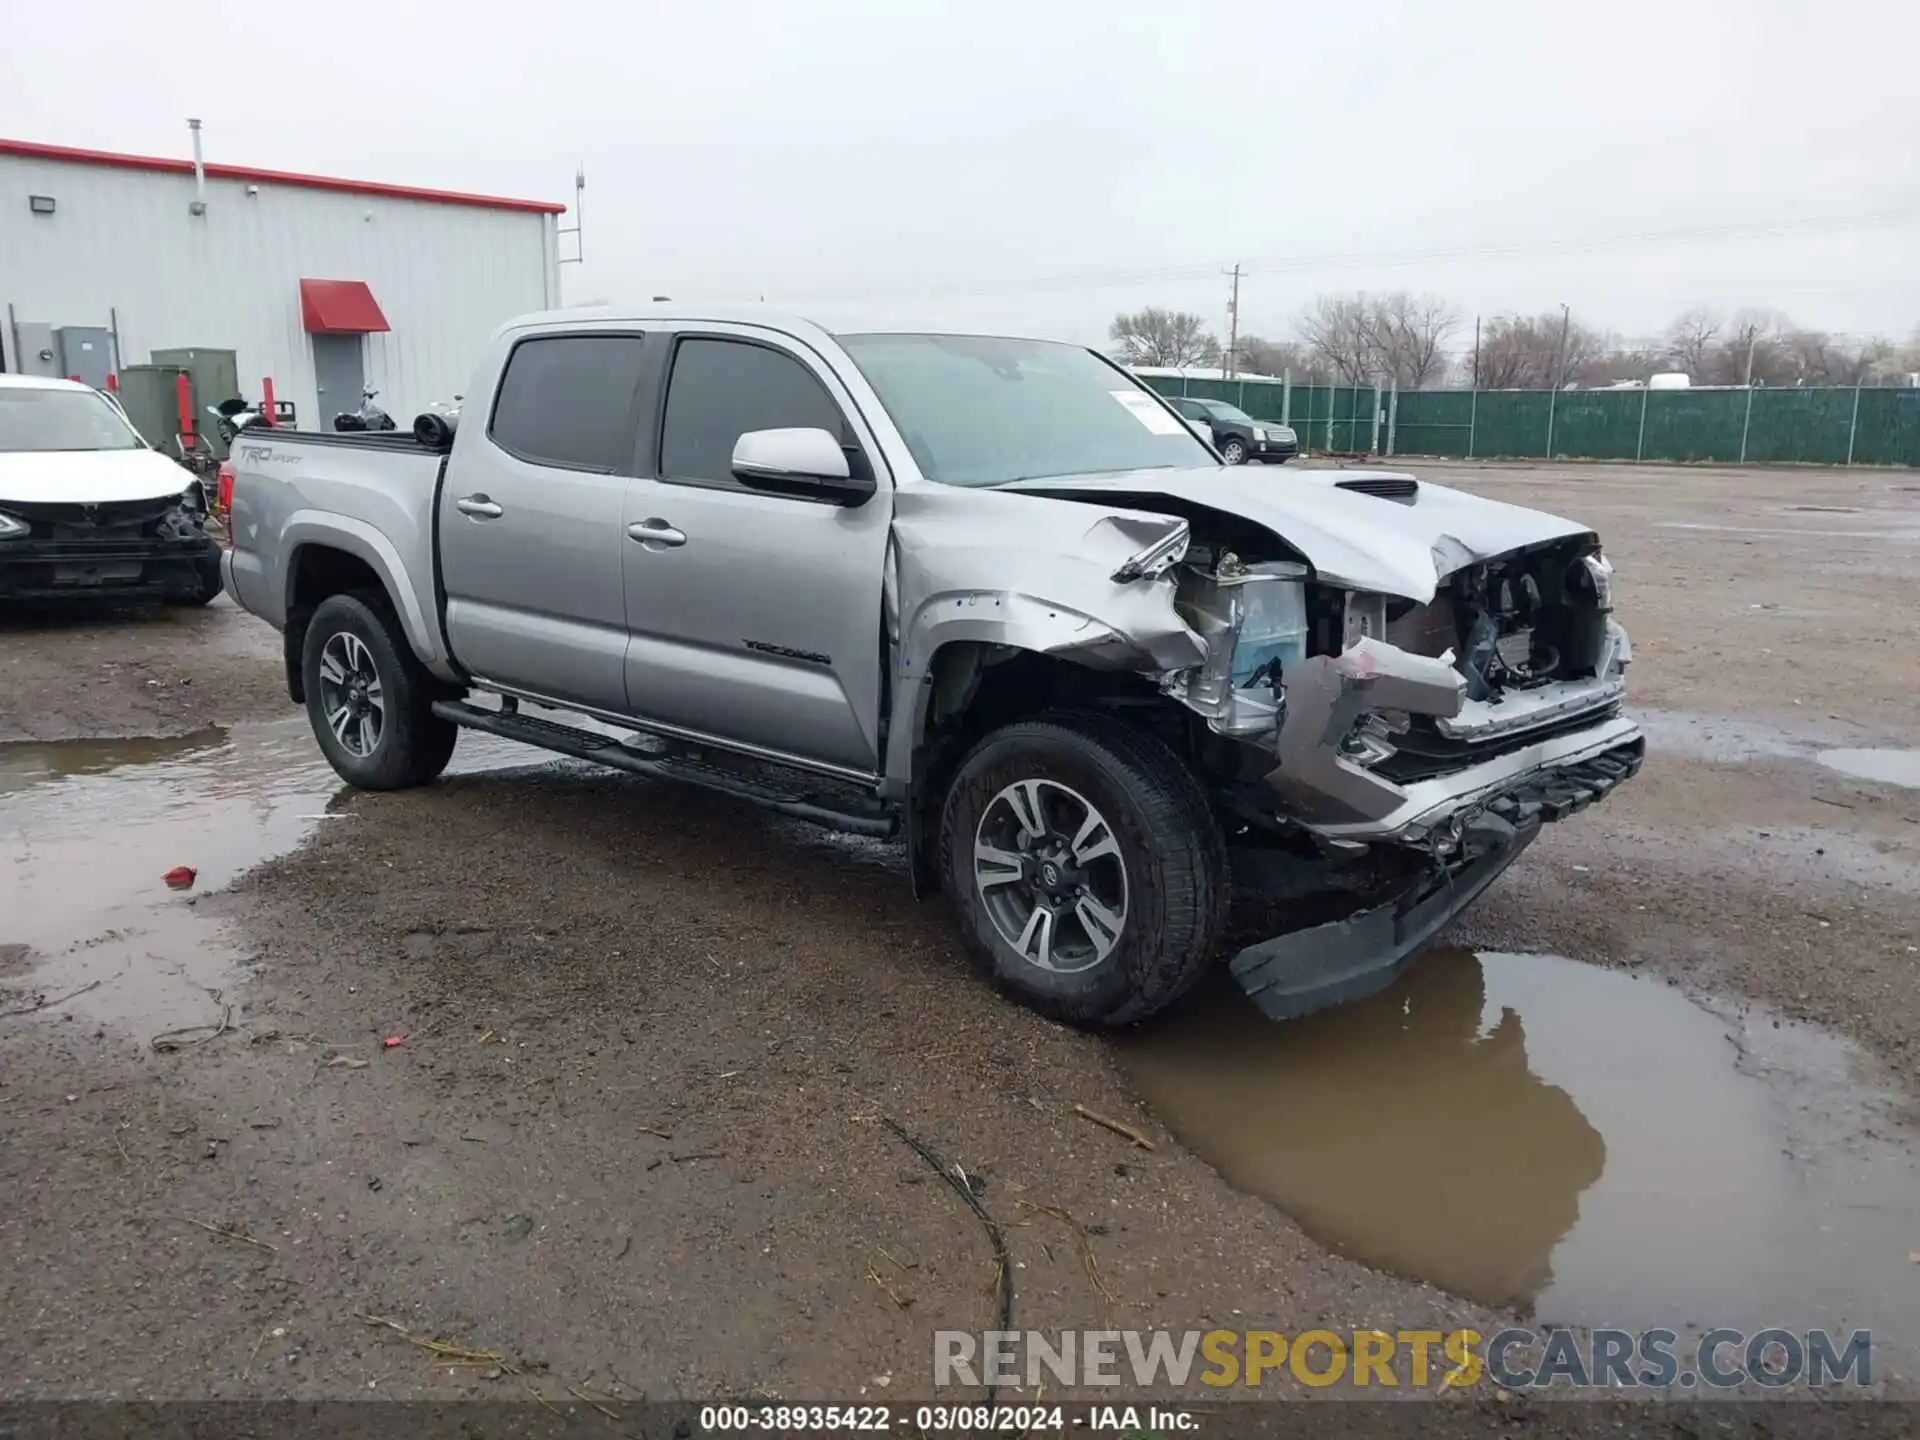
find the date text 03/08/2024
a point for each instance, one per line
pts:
(941, 1419)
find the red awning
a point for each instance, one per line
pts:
(340, 307)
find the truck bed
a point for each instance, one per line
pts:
(370, 492)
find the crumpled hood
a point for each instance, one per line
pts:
(1363, 542)
(87, 477)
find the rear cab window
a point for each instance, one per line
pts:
(569, 401)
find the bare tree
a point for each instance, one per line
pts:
(1813, 357)
(1906, 360)
(1410, 333)
(1278, 357)
(1617, 362)
(1338, 329)
(1536, 352)
(1692, 341)
(1164, 337)
(1374, 338)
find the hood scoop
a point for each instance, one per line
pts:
(1387, 487)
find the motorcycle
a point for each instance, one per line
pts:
(232, 416)
(368, 417)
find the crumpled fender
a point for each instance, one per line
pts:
(1028, 573)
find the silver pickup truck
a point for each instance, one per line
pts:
(991, 596)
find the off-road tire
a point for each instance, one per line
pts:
(1170, 843)
(414, 745)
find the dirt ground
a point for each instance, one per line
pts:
(72, 674)
(639, 1124)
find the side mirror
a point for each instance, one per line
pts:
(804, 462)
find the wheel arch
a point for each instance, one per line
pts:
(340, 556)
(969, 687)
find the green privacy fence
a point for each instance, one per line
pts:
(1341, 419)
(1822, 427)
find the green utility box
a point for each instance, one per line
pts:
(214, 376)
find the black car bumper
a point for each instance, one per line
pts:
(1346, 960)
(1315, 969)
(34, 569)
(1277, 451)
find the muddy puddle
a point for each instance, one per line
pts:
(1884, 767)
(1580, 1144)
(89, 828)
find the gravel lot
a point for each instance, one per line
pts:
(636, 1124)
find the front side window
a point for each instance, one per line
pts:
(568, 400)
(721, 389)
(980, 411)
(53, 419)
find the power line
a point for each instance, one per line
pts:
(1233, 324)
(1092, 278)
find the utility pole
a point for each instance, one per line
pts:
(1746, 421)
(1233, 326)
(1559, 373)
(1476, 352)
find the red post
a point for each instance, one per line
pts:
(113, 384)
(183, 396)
(266, 399)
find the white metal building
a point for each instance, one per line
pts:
(315, 283)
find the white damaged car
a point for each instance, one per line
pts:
(88, 510)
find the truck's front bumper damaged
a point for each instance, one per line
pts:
(1313, 969)
(1325, 777)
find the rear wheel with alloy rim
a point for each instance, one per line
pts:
(1086, 867)
(351, 695)
(370, 699)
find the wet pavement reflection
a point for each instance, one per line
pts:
(1884, 767)
(88, 829)
(1579, 1143)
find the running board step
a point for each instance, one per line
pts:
(860, 817)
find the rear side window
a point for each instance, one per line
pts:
(723, 388)
(568, 400)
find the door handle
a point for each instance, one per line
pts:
(656, 532)
(478, 506)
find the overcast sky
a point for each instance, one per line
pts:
(1036, 167)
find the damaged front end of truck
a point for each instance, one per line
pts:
(1385, 718)
(1447, 731)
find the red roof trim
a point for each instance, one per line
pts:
(340, 307)
(32, 151)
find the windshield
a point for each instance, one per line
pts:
(981, 412)
(1228, 412)
(36, 419)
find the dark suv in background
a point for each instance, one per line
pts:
(1237, 435)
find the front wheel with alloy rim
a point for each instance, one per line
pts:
(1086, 867)
(1234, 452)
(370, 699)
